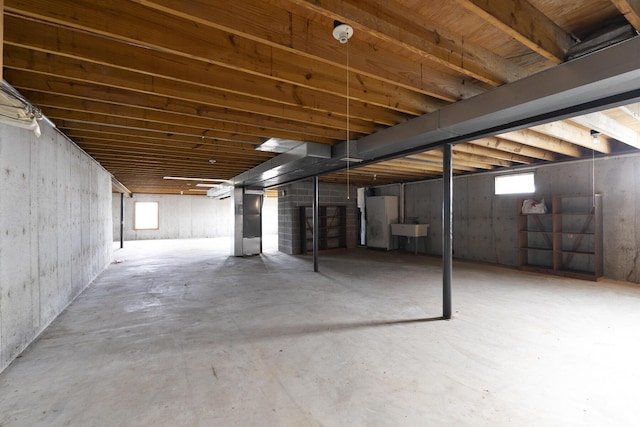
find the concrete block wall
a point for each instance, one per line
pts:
(292, 196)
(55, 227)
(485, 225)
(186, 217)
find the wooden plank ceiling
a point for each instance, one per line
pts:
(154, 88)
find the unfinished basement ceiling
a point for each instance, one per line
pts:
(154, 88)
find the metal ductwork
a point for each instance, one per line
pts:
(603, 79)
(220, 191)
(295, 161)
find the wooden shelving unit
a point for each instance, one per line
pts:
(567, 240)
(332, 227)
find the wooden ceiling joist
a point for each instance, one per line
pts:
(602, 123)
(290, 32)
(492, 153)
(214, 47)
(522, 21)
(538, 140)
(159, 87)
(140, 124)
(574, 134)
(630, 9)
(515, 147)
(78, 54)
(203, 118)
(437, 46)
(190, 141)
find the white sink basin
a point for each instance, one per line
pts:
(410, 230)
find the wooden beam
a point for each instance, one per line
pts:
(536, 139)
(608, 126)
(459, 153)
(221, 156)
(113, 98)
(427, 41)
(632, 110)
(290, 30)
(80, 54)
(409, 164)
(205, 119)
(398, 173)
(463, 165)
(514, 147)
(217, 47)
(459, 159)
(380, 171)
(159, 138)
(631, 11)
(195, 141)
(374, 174)
(492, 153)
(113, 155)
(369, 178)
(63, 117)
(522, 21)
(574, 134)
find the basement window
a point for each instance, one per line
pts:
(146, 216)
(520, 183)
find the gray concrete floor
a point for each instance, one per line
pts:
(181, 334)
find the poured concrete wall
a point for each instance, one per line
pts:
(300, 193)
(485, 225)
(180, 217)
(186, 217)
(55, 226)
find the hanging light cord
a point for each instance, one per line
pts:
(593, 175)
(348, 150)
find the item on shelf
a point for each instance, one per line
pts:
(566, 242)
(530, 206)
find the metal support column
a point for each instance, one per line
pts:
(447, 230)
(316, 220)
(121, 220)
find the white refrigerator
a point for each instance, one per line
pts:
(381, 212)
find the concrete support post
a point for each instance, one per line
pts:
(316, 219)
(447, 230)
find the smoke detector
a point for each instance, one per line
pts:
(342, 32)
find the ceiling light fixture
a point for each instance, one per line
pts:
(343, 32)
(212, 161)
(596, 136)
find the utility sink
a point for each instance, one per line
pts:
(410, 230)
